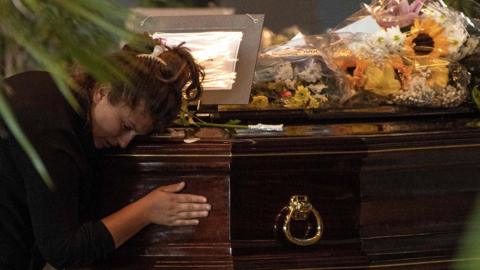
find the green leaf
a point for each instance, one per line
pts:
(234, 122)
(470, 244)
(57, 33)
(76, 7)
(476, 96)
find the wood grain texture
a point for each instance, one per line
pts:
(132, 173)
(393, 194)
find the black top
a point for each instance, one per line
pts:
(37, 224)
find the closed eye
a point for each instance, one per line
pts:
(127, 127)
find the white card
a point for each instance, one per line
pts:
(365, 25)
(216, 51)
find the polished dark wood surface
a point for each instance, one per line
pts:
(129, 174)
(393, 194)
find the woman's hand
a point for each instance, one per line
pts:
(167, 207)
(162, 206)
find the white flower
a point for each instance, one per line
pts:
(457, 35)
(284, 72)
(437, 13)
(291, 84)
(311, 74)
(386, 41)
(358, 42)
(379, 39)
(317, 88)
(452, 21)
(395, 39)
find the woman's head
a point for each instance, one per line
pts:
(147, 96)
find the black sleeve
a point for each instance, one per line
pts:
(60, 237)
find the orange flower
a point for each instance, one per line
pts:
(354, 70)
(403, 71)
(426, 40)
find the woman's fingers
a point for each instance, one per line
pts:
(187, 218)
(191, 207)
(182, 198)
(190, 198)
(185, 222)
(173, 187)
(192, 215)
(166, 207)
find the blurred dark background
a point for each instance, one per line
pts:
(311, 16)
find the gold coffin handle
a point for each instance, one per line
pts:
(300, 208)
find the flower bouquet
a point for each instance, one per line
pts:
(417, 53)
(292, 75)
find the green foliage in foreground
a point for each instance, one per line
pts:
(57, 33)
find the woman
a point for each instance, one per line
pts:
(38, 225)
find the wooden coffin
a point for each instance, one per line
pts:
(392, 193)
(205, 167)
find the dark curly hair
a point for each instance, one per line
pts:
(160, 82)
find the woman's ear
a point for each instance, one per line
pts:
(100, 92)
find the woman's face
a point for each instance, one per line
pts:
(116, 125)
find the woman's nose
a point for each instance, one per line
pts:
(125, 139)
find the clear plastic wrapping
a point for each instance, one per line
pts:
(294, 75)
(408, 53)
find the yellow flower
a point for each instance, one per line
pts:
(294, 104)
(381, 81)
(302, 94)
(426, 39)
(260, 101)
(302, 99)
(313, 103)
(439, 76)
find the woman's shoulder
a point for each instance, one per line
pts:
(29, 78)
(39, 73)
(44, 114)
(38, 103)
(31, 85)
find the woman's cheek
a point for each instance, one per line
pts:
(114, 130)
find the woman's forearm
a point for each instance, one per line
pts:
(126, 222)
